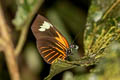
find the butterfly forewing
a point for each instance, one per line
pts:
(50, 42)
(36, 28)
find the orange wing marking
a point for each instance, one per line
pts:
(60, 51)
(57, 58)
(59, 46)
(43, 47)
(62, 40)
(49, 54)
(62, 45)
(52, 57)
(45, 51)
(63, 57)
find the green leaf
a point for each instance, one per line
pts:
(104, 69)
(58, 67)
(102, 25)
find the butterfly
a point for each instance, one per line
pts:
(51, 43)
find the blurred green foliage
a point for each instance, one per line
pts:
(24, 9)
(70, 17)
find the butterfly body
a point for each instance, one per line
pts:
(50, 42)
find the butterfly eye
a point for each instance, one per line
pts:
(68, 51)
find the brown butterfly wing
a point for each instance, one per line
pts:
(36, 25)
(50, 49)
(50, 43)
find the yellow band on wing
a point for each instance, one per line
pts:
(62, 47)
(60, 51)
(62, 40)
(56, 58)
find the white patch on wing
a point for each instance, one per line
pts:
(41, 29)
(44, 26)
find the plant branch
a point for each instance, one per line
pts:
(9, 49)
(61, 65)
(2, 43)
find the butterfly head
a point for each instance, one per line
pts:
(69, 50)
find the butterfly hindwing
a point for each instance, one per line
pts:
(50, 42)
(50, 49)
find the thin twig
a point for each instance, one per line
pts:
(24, 31)
(9, 49)
(22, 40)
(2, 43)
(111, 8)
